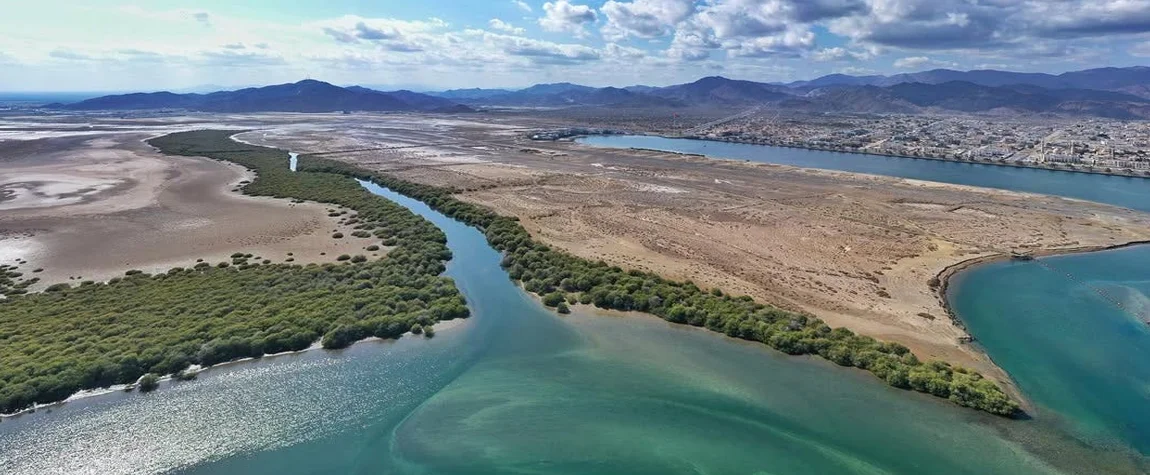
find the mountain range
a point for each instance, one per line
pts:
(1120, 93)
(1134, 80)
(303, 96)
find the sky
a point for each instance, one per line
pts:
(108, 45)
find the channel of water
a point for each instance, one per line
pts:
(1129, 192)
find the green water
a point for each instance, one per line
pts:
(519, 389)
(1072, 331)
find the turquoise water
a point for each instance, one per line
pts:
(519, 389)
(1072, 331)
(1128, 192)
(1078, 345)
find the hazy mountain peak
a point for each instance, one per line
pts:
(308, 95)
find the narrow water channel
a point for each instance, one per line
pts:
(519, 389)
(1129, 192)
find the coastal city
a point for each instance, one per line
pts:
(1083, 144)
(1097, 143)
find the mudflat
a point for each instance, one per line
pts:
(91, 208)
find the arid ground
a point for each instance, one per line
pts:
(856, 250)
(92, 207)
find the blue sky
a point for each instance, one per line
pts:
(104, 45)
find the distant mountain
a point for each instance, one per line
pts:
(616, 97)
(417, 101)
(839, 80)
(640, 88)
(718, 90)
(304, 96)
(935, 90)
(709, 91)
(568, 95)
(208, 88)
(963, 96)
(1122, 93)
(853, 99)
(1132, 80)
(555, 88)
(138, 100)
(473, 93)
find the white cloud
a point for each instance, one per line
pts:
(386, 33)
(1141, 50)
(537, 51)
(142, 56)
(919, 62)
(857, 71)
(644, 18)
(788, 44)
(1000, 66)
(1081, 18)
(691, 45)
(229, 58)
(688, 54)
(912, 62)
(562, 16)
(68, 54)
(203, 17)
(745, 18)
(839, 53)
(500, 25)
(615, 51)
(751, 28)
(658, 40)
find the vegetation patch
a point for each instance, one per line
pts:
(11, 282)
(55, 343)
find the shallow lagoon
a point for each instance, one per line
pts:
(1073, 332)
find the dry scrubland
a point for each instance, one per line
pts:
(858, 251)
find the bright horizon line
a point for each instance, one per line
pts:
(425, 88)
